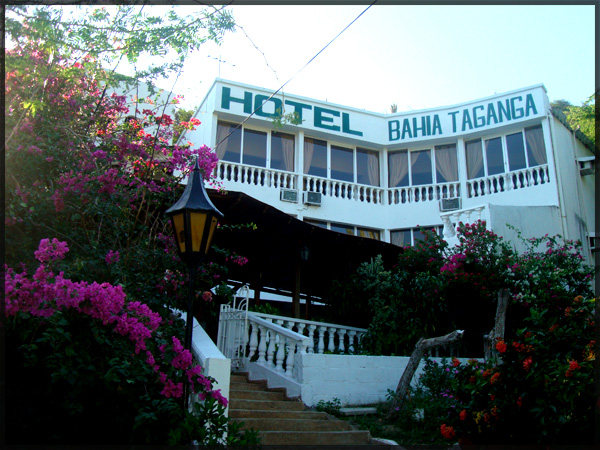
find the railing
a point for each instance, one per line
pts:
(469, 215)
(277, 179)
(342, 189)
(425, 193)
(274, 346)
(274, 342)
(255, 176)
(503, 182)
(324, 337)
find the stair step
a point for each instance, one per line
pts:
(315, 425)
(237, 385)
(235, 403)
(311, 438)
(256, 395)
(274, 414)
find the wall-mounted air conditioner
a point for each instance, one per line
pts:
(289, 195)
(449, 204)
(312, 198)
(586, 165)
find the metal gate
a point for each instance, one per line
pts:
(233, 328)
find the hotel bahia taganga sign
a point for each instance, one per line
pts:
(387, 129)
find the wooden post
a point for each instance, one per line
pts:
(413, 364)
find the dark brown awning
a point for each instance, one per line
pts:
(273, 249)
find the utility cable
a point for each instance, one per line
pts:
(293, 76)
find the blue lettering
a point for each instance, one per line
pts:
(226, 100)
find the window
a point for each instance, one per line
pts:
(252, 149)
(420, 165)
(398, 168)
(341, 228)
(494, 159)
(229, 142)
(369, 233)
(342, 164)
(494, 156)
(523, 149)
(515, 149)
(446, 163)
(282, 151)
(367, 167)
(255, 148)
(410, 236)
(338, 163)
(315, 157)
(536, 151)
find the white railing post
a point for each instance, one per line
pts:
(331, 345)
(253, 341)
(311, 336)
(280, 353)
(351, 335)
(341, 333)
(262, 346)
(271, 349)
(321, 344)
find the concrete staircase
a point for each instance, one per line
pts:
(285, 421)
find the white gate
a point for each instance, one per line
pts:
(233, 328)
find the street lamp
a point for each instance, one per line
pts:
(194, 220)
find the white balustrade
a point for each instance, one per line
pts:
(324, 336)
(468, 215)
(519, 179)
(255, 176)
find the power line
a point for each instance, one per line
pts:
(293, 76)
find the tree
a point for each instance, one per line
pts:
(583, 118)
(81, 179)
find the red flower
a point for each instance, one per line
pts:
(501, 346)
(463, 414)
(455, 362)
(519, 402)
(527, 363)
(573, 365)
(447, 432)
(494, 378)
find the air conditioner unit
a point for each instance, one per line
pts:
(586, 165)
(312, 198)
(449, 204)
(289, 195)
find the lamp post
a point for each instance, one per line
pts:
(194, 219)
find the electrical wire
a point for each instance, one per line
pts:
(293, 76)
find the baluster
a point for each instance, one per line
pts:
(262, 346)
(253, 340)
(304, 345)
(351, 336)
(300, 326)
(341, 346)
(321, 344)
(331, 345)
(271, 350)
(280, 353)
(291, 356)
(311, 341)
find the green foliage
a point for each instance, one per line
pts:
(434, 289)
(584, 118)
(330, 407)
(126, 31)
(265, 308)
(539, 389)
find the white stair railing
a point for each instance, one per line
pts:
(324, 337)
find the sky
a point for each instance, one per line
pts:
(415, 56)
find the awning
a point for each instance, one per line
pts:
(273, 248)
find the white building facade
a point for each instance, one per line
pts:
(505, 159)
